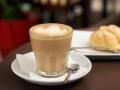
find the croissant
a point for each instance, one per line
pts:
(106, 38)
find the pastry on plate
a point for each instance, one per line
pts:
(106, 38)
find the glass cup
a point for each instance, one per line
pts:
(51, 43)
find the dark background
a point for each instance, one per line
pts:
(17, 16)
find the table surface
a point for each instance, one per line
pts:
(105, 75)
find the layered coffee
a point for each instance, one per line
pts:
(50, 43)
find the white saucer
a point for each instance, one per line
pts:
(85, 67)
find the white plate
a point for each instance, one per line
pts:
(81, 39)
(85, 67)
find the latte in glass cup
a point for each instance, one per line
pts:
(51, 43)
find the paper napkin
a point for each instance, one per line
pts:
(26, 62)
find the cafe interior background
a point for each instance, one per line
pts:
(17, 16)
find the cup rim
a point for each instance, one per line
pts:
(45, 36)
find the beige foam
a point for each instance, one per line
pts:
(51, 30)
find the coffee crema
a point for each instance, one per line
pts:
(50, 30)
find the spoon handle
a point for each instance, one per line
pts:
(67, 77)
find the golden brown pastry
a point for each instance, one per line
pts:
(106, 38)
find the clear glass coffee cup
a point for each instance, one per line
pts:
(51, 43)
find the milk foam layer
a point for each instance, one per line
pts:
(51, 30)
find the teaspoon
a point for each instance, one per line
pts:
(71, 69)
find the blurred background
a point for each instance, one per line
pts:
(17, 16)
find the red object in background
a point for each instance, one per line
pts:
(20, 30)
(14, 33)
(6, 38)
